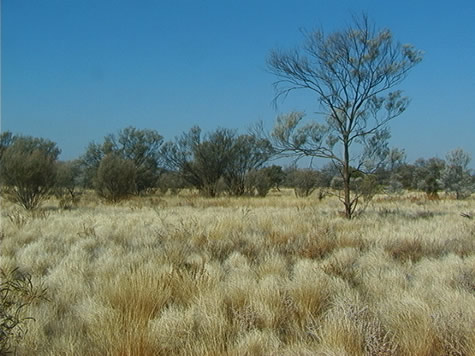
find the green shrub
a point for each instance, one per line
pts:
(115, 178)
(172, 182)
(142, 147)
(29, 170)
(456, 178)
(67, 184)
(258, 182)
(304, 181)
(217, 162)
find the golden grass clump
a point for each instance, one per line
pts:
(186, 275)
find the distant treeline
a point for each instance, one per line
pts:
(221, 162)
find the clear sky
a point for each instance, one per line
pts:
(76, 70)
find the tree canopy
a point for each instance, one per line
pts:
(353, 74)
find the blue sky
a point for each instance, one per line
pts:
(76, 70)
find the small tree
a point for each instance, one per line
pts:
(220, 158)
(276, 176)
(351, 72)
(427, 175)
(142, 147)
(115, 178)
(456, 178)
(28, 170)
(387, 175)
(258, 182)
(67, 187)
(90, 162)
(211, 157)
(406, 175)
(248, 154)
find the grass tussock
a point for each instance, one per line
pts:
(239, 276)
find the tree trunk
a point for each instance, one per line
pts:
(346, 180)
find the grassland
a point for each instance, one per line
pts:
(247, 276)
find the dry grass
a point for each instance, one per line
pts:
(247, 276)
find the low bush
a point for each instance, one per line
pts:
(115, 178)
(304, 181)
(171, 182)
(258, 182)
(29, 171)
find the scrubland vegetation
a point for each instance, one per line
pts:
(192, 246)
(280, 275)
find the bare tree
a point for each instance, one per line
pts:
(351, 72)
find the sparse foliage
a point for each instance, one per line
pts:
(351, 72)
(6, 140)
(363, 186)
(388, 174)
(248, 153)
(455, 178)
(396, 158)
(90, 162)
(427, 175)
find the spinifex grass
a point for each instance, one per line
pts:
(247, 276)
